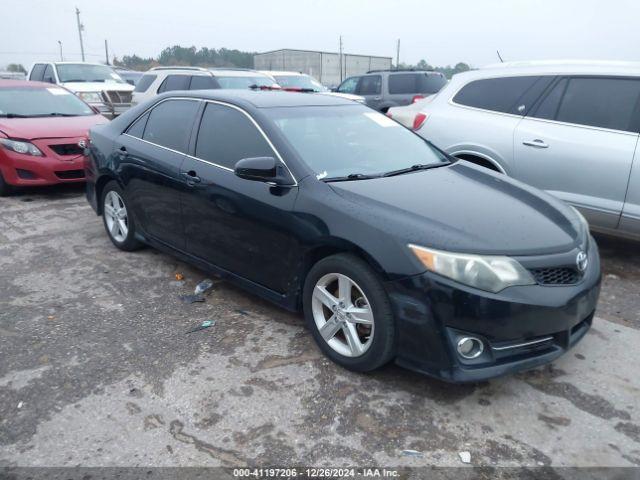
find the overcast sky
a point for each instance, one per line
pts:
(440, 31)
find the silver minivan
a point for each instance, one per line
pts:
(570, 128)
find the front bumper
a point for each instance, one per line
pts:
(521, 327)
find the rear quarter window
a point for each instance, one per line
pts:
(410, 83)
(495, 94)
(145, 82)
(37, 72)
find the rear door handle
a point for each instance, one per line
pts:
(537, 143)
(191, 178)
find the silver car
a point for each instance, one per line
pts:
(570, 128)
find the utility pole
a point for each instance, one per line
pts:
(106, 51)
(341, 73)
(80, 29)
(60, 45)
(398, 56)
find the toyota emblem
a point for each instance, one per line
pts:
(582, 261)
(82, 144)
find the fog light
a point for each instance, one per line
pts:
(470, 347)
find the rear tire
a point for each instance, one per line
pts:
(117, 218)
(344, 299)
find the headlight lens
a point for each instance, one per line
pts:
(90, 97)
(25, 148)
(486, 272)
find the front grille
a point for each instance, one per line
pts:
(113, 96)
(70, 174)
(66, 149)
(556, 276)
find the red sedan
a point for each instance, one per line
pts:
(43, 131)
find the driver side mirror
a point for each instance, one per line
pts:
(263, 169)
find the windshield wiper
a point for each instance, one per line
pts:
(74, 80)
(58, 114)
(351, 176)
(14, 115)
(414, 168)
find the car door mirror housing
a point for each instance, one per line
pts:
(263, 169)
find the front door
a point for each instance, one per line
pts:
(370, 87)
(578, 144)
(239, 225)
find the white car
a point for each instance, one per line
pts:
(411, 115)
(166, 79)
(301, 82)
(568, 127)
(98, 85)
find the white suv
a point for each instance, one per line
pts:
(165, 79)
(98, 85)
(301, 82)
(570, 128)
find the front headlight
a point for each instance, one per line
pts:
(25, 148)
(486, 272)
(90, 97)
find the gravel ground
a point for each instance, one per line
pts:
(96, 370)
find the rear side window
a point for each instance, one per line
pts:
(203, 82)
(48, 75)
(370, 85)
(37, 72)
(227, 135)
(496, 94)
(169, 124)
(409, 83)
(175, 82)
(145, 82)
(600, 102)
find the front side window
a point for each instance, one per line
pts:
(495, 94)
(226, 135)
(83, 72)
(341, 140)
(137, 128)
(175, 82)
(41, 102)
(370, 85)
(170, 122)
(349, 85)
(145, 82)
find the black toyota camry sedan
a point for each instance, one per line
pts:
(393, 250)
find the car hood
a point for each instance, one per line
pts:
(465, 208)
(348, 96)
(97, 86)
(49, 127)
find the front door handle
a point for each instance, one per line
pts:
(537, 143)
(191, 178)
(377, 98)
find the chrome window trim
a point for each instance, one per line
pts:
(580, 125)
(197, 99)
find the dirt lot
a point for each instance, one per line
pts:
(96, 370)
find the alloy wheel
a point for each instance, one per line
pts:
(343, 314)
(115, 214)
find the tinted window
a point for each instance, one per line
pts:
(497, 94)
(415, 83)
(599, 102)
(48, 75)
(227, 135)
(170, 124)
(370, 85)
(145, 82)
(137, 129)
(548, 108)
(349, 85)
(202, 82)
(37, 72)
(175, 82)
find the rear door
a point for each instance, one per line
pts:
(152, 151)
(578, 144)
(370, 87)
(239, 225)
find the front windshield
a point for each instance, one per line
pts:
(83, 72)
(244, 82)
(299, 81)
(41, 102)
(337, 141)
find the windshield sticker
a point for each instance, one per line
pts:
(58, 91)
(381, 120)
(322, 175)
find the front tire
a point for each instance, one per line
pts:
(5, 188)
(117, 218)
(349, 314)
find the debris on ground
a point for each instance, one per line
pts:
(191, 298)
(20, 404)
(242, 312)
(179, 276)
(412, 453)
(204, 286)
(203, 325)
(465, 457)
(177, 283)
(612, 276)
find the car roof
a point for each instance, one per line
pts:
(232, 72)
(280, 72)
(26, 83)
(262, 99)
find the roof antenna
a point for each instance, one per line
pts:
(499, 56)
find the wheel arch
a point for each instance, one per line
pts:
(480, 159)
(101, 182)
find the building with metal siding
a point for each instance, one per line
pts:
(324, 66)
